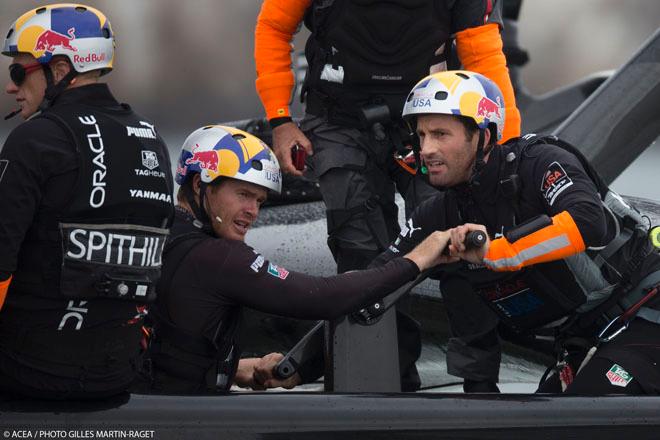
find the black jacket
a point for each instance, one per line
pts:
(50, 340)
(476, 297)
(203, 289)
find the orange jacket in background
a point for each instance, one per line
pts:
(479, 49)
(4, 287)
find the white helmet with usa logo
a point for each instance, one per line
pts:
(216, 151)
(78, 32)
(458, 93)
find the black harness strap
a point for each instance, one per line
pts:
(53, 90)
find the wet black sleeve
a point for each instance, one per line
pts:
(473, 13)
(37, 164)
(561, 184)
(249, 279)
(425, 219)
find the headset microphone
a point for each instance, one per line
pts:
(12, 114)
(217, 217)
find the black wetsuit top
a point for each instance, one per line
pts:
(474, 351)
(217, 277)
(41, 168)
(219, 274)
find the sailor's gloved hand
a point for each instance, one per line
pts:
(481, 386)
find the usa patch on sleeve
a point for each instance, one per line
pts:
(3, 167)
(555, 181)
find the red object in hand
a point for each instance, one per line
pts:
(298, 156)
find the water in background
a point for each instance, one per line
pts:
(640, 179)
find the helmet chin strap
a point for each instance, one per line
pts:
(199, 210)
(53, 91)
(479, 162)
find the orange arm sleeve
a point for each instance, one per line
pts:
(554, 242)
(4, 286)
(480, 50)
(276, 24)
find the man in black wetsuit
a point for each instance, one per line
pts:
(85, 195)
(209, 273)
(567, 257)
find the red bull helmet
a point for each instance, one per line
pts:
(459, 93)
(218, 151)
(81, 33)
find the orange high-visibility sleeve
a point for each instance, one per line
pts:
(276, 24)
(4, 286)
(554, 242)
(480, 50)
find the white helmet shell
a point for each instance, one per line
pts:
(458, 93)
(81, 33)
(219, 151)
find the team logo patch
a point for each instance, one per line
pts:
(257, 263)
(3, 167)
(555, 181)
(618, 376)
(149, 159)
(277, 271)
(146, 131)
(409, 229)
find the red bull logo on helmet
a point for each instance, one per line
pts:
(488, 109)
(207, 160)
(226, 151)
(90, 58)
(49, 40)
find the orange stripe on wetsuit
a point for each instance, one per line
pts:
(480, 50)
(4, 286)
(554, 242)
(276, 24)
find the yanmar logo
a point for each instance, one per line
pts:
(150, 195)
(147, 131)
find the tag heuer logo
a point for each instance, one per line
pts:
(618, 376)
(149, 159)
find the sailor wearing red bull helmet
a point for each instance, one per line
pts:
(209, 273)
(85, 195)
(567, 257)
